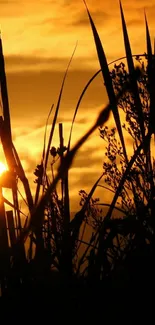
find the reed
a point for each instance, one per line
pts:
(55, 240)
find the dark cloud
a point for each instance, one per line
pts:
(21, 63)
(8, 2)
(30, 61)
(99, 17)
(80, 20)
(32, 92)
(134, 22)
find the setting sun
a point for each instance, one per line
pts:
(3, 168)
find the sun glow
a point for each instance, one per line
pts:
(3, 168)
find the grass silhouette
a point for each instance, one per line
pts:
(116, 264)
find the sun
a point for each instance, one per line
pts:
(3, 168)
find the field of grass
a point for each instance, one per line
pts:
(99, 262)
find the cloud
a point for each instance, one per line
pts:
(38, 39)
(45, 33)
(100, 17)
(31, 94)
(48, 26)
(25, 63)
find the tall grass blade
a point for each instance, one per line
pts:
(132, 74)
(5, 101)
(151, 89)
(151, 79)
(40, 178)
(45, 133)
(24, 180)
(64, 182)
(56, 112)
(78, 104)
(108, 82)
(5, 124)
(61, 159)
(4, 245)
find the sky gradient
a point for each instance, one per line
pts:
(38, 40)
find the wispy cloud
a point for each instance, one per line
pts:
(43, 28)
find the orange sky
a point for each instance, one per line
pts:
(38, 39)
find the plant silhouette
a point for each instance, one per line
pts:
(63, 267)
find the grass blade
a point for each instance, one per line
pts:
(108, 82)
(151, 80)
(151, 87)
(40, 180)
(5, 101)
(132, 74)
(56, 112)
(64, 182)
(44, 145)
(23, 179)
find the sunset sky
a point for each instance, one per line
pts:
(38, 40)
